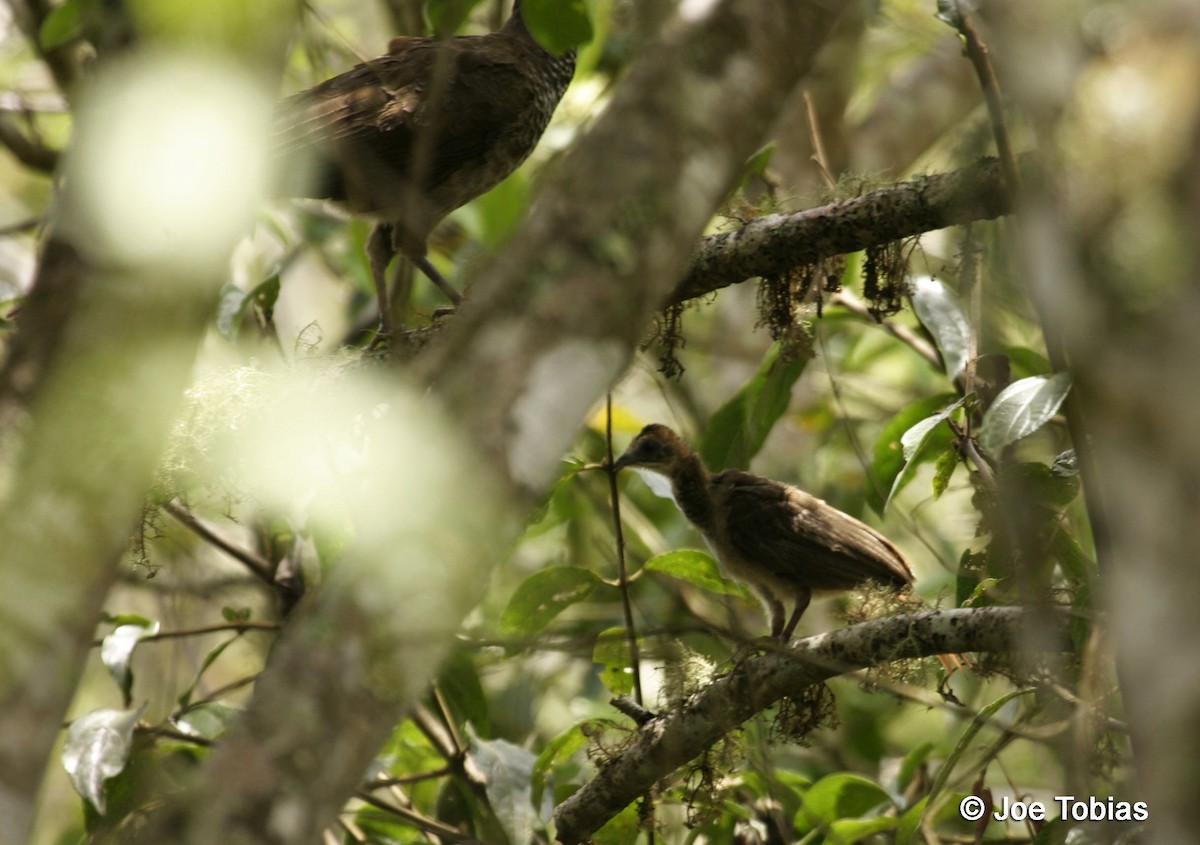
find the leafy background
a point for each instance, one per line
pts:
(520, 714)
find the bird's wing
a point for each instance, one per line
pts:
(365, 123)
(799, 537)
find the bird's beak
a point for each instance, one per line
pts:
(622, 462)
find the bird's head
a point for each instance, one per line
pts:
(657, 449)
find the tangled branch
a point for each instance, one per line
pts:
(671, 740)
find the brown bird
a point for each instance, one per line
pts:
(412, 135)
(782, 542)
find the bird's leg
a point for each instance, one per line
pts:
(379, 254)
(802, 600)
(423, 264)
(774, 613)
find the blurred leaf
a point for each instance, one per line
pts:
(63, 23)
(612, 653)
(1025, 362)
(97, 748)
(117, 650)
(981, 718)
(185, 697)
(508, 781)
(738, 429)
(459, 682)
(542, 596)
(911, 763)
(236, 614)
(941, 311)
(1055, 831)
(838, 796)
(917, 441)
(385, 828)
(556, 750)
(447, 16)
(1021, 409)
(888, 458)
(848, 831)
(209, 720)
(910, 822)
(127, 619)
(696, 567)
(558, 25)
(1035, 483)
(621, 829)
(234, 303)
(947, 462)
(500, 209)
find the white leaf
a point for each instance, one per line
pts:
(96, 749)
(1021, 409)
(941, 311)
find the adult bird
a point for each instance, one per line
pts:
(782, 542)
(412, 135)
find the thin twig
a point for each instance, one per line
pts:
(977, 52)
(238, 627)
(907, 336)
(622, 569)
(260, 566)
(413, 817)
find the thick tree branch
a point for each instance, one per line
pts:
(777, 243)
(672, 740)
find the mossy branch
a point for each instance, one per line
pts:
(670, 741)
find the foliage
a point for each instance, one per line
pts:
(971, 477)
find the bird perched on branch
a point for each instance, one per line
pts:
(412, 135)
(782, 542)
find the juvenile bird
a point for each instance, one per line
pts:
(780, 541)
(412, 135)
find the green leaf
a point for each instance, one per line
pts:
(127, 619)
(446, 16)
(916, 441)
(117, 650)
(910, 822)
(542, 596)
(459, 682)
(96, 748)
(849, 831)
(558, 25)
(556, 750)
(63, 23)
(941, 311)
(185, 697)
(612, 653)
(911, 763)
(1025, 362)
(980, 719)
(621, 829)
(234, 303)
(696, 567)
(739, 428)
(838, 796)
(888, 458)
(236, 614)
(1021, 409)
(499, 210)
(947, 462)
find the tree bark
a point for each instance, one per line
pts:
(670, 741)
